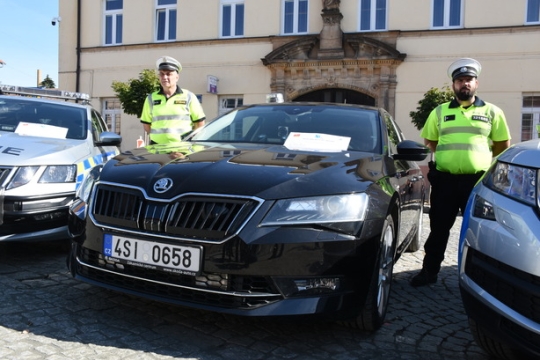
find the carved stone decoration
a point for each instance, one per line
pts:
(330, 4)
(331, 36)
(366, 65)
(331, 80)
(295, 50)
(365, 47)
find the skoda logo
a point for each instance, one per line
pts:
(163, 185)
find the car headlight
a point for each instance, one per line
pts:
(517, 182)
(22, 176)
(59, 174)
(318, 210)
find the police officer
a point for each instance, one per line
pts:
(464, 134)
(170, 112)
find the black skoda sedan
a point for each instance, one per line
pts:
(275, 209)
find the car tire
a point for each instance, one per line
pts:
(373, 312)
(417, 239)
(494, 347)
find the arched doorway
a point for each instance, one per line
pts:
(336, 95)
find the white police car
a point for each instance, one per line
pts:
(46, 146)
(499, 255)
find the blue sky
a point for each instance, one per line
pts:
(28, 41)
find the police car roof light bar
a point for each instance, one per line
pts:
(49, 93)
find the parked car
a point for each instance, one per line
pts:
(499, 255)
(271, 209)
(47, 144)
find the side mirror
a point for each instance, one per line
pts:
(108, 138)
(411, 150)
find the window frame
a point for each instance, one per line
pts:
(533, 115)
(296, 17)
(233, 20)
(373, 12)
(238, 100)
(169, 28)
(112, 114)
(533, 10)
(446, 14)
(116, 17)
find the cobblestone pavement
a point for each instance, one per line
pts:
(45, 314)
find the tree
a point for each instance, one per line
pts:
(432, 98)
(48, 83)
(134, 92)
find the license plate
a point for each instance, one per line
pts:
(184, 260)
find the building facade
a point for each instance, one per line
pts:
(386, 53)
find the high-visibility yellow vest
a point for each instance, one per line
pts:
(171, 118)
(464, 135)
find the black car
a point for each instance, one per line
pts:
(269, 210)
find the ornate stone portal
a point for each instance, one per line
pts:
(334, 60)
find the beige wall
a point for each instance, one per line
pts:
(508, 51)
(416, 14)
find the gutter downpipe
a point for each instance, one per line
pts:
(78, 71)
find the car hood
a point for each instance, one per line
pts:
(19, 150)
(524, 153)
(268, 172)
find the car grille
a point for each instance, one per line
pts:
(4, 172)
(206, 288)
(197, 217)
(515, 288)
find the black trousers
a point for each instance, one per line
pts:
(449, 195)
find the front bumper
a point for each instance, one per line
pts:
(242, 279)
(499, 271)
(43, 217)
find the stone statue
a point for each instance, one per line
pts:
(330, 4)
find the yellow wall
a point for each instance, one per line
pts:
(508, 51)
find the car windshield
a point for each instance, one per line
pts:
(272, 124)
(42, 118)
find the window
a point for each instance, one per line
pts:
(112, 111)
(227, 103)
(113, 22)
(530, 116)
(447, 14)
(295, 15)
(165, 20)
(98, 125)
(372, 15)
(533, 12)
(232, 18)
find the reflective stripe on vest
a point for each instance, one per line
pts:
(170, 124)
(463, 149)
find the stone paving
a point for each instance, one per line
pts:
(45, 314)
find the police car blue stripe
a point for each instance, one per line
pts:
(89, 163)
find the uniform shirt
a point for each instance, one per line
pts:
(464, 134)
(171, 118)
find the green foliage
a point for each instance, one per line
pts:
(134, 92)
(48, 83)
(432, 98)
